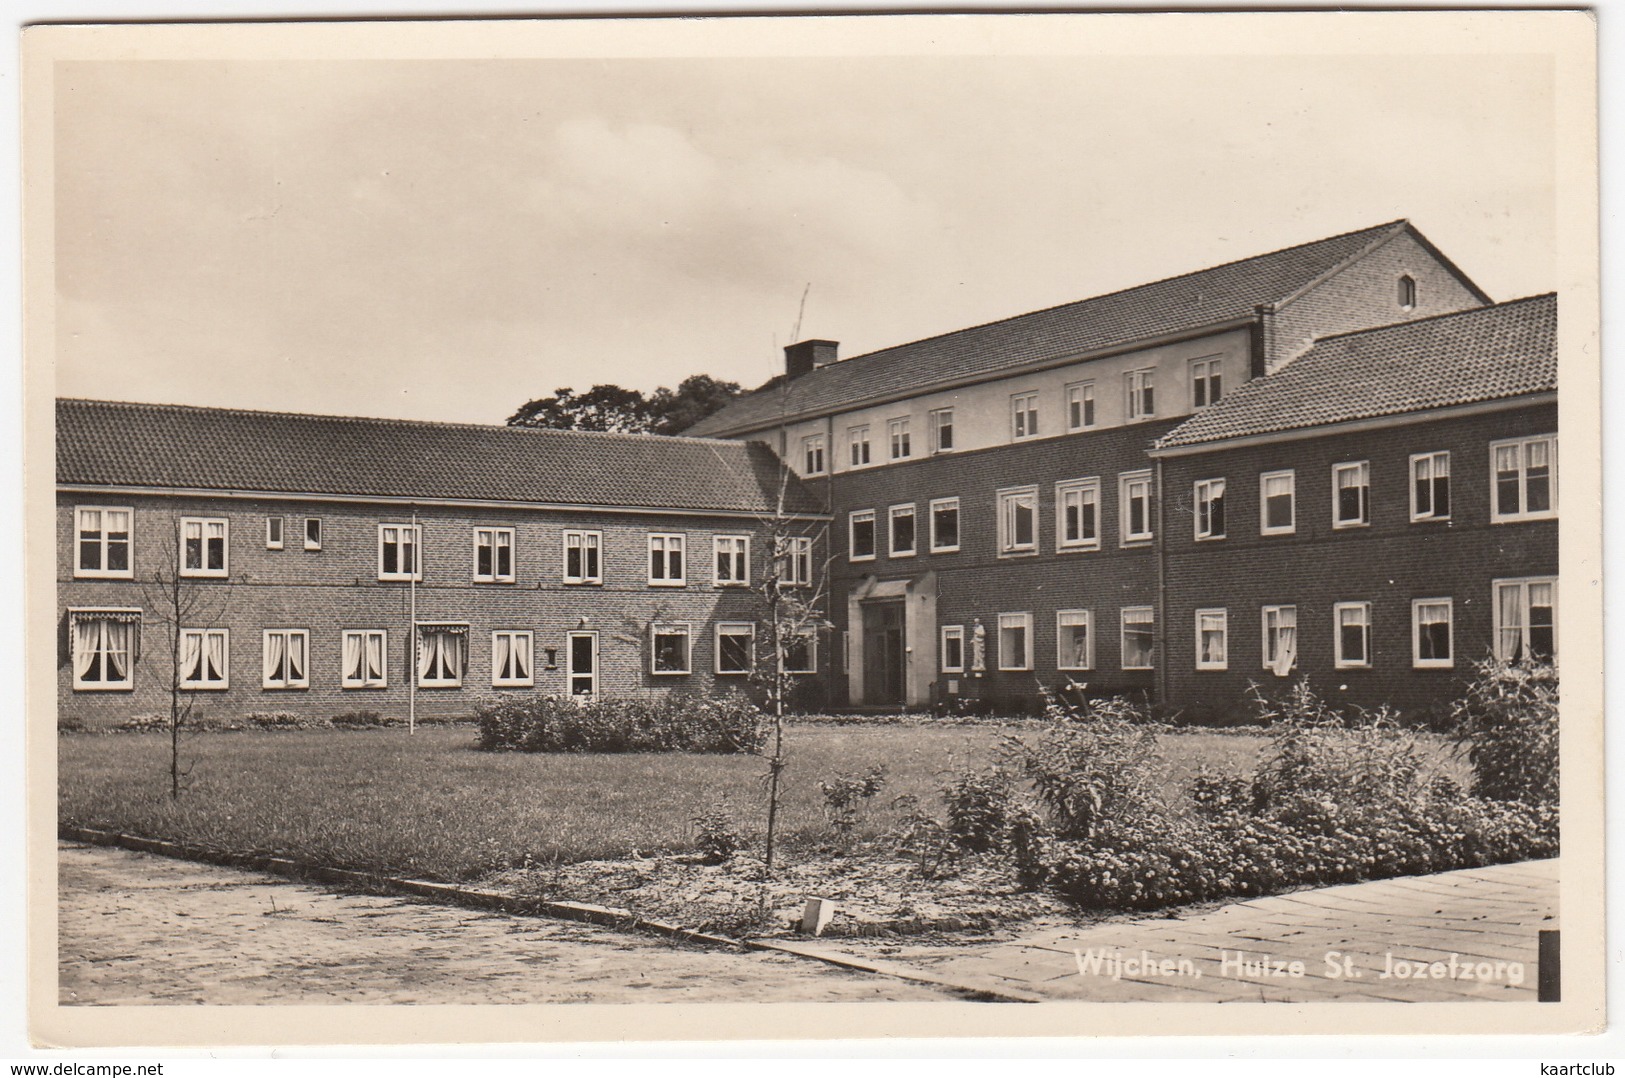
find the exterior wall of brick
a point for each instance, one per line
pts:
(337, 588)
(1387, 564)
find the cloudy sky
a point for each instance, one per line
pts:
(445, 239)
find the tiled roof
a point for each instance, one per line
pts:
(1481, 354)
(1173, 305)
(171, 446)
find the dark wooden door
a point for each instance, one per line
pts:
(883, 653)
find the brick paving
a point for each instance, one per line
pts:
(1482, 920)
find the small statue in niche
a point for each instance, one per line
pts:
(978, 647)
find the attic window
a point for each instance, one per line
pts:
(1407, 292)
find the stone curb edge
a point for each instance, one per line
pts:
(480, 898)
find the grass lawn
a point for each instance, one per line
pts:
(430, 804)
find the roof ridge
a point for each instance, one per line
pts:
(439, 423)
(1431, 318)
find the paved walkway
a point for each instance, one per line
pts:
(1468, 935)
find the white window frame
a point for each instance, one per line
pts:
(514, 636)
(1140, 398)
(1123, 622)
(1125, 482)
(1278, 611)
(419, 631)
(1081, 410)
(1432, 458)
(1062, 662)
(1522, 584)
(132, 650)
(1024, 415)
(811, 636)
(1009, 500)
(944, 503)
(1291, 526)
(899, 441)
(854, 518)
(1086, 491)
(942, 419)
(668, 543)
(267, 681)
(313, 543)
(1362, 468)
(746, 629)
(585, 541)
(658, 629)
(104, 573)
(857, 442)
(203, 636)
(1521, 445)
(275, 532)
(814, 455)
(1204, 492)
(944, 634)
(1017, 619)
(1208, 373)
(495, 576)
(416, 532)
(1416, 633)
(364, 682)
(203, 524)
(797, 568)
(734, 552)
(1222, 614)
(1340, 661)
(893, 515)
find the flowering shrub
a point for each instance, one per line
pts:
(729, 724)
(1507, 722)
(846, 793)
(979, 808)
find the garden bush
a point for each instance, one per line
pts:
(277, 720)
(727, 724)
(1507, 723)
(360, 720)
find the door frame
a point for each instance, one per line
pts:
(570, 662)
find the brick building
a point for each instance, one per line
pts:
(330, 564)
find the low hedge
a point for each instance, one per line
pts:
(727, 724)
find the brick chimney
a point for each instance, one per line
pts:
(804, 356)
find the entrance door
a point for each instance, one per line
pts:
(883, 653)
(583, 667)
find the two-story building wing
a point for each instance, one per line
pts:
(317, 565)
(1379, 516)
(995, 513)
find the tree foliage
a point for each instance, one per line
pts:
(613, 408)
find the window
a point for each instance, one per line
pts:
(901, 519)
(1351, 494)
(1406, 292)
(103, 539)
(1077, 514)
(897, 434)
(1018, 520)
(1212, 639)
(1024, 415)
(1138, 640)
(669, 648)
(1430, 486)
(313, 533)
(1134, 497)
(1431, 622)
(203, 546)
(857, 444)
(1525, 478)
(1352, 623)
(1208, 498)
(732, 556)
(273, 533)
(812, 454)
(942, 430)
(511, 653)
(1074, 640)
(1277, 513)
(204, 663)
(1526, 620)
(442, 655)
(1280, 638)
(105, 645)
(953, 649)
(1142, 393)
(1080, 406)
(1015, 641)
(861, 528)
(398, 552)
(736, 641)
(1206, 381)
(363, 658)
(583, 557)
(944, 525)
(795, 564)
(493, 555)
(800, 652)
(287, 659)
(666, 561)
